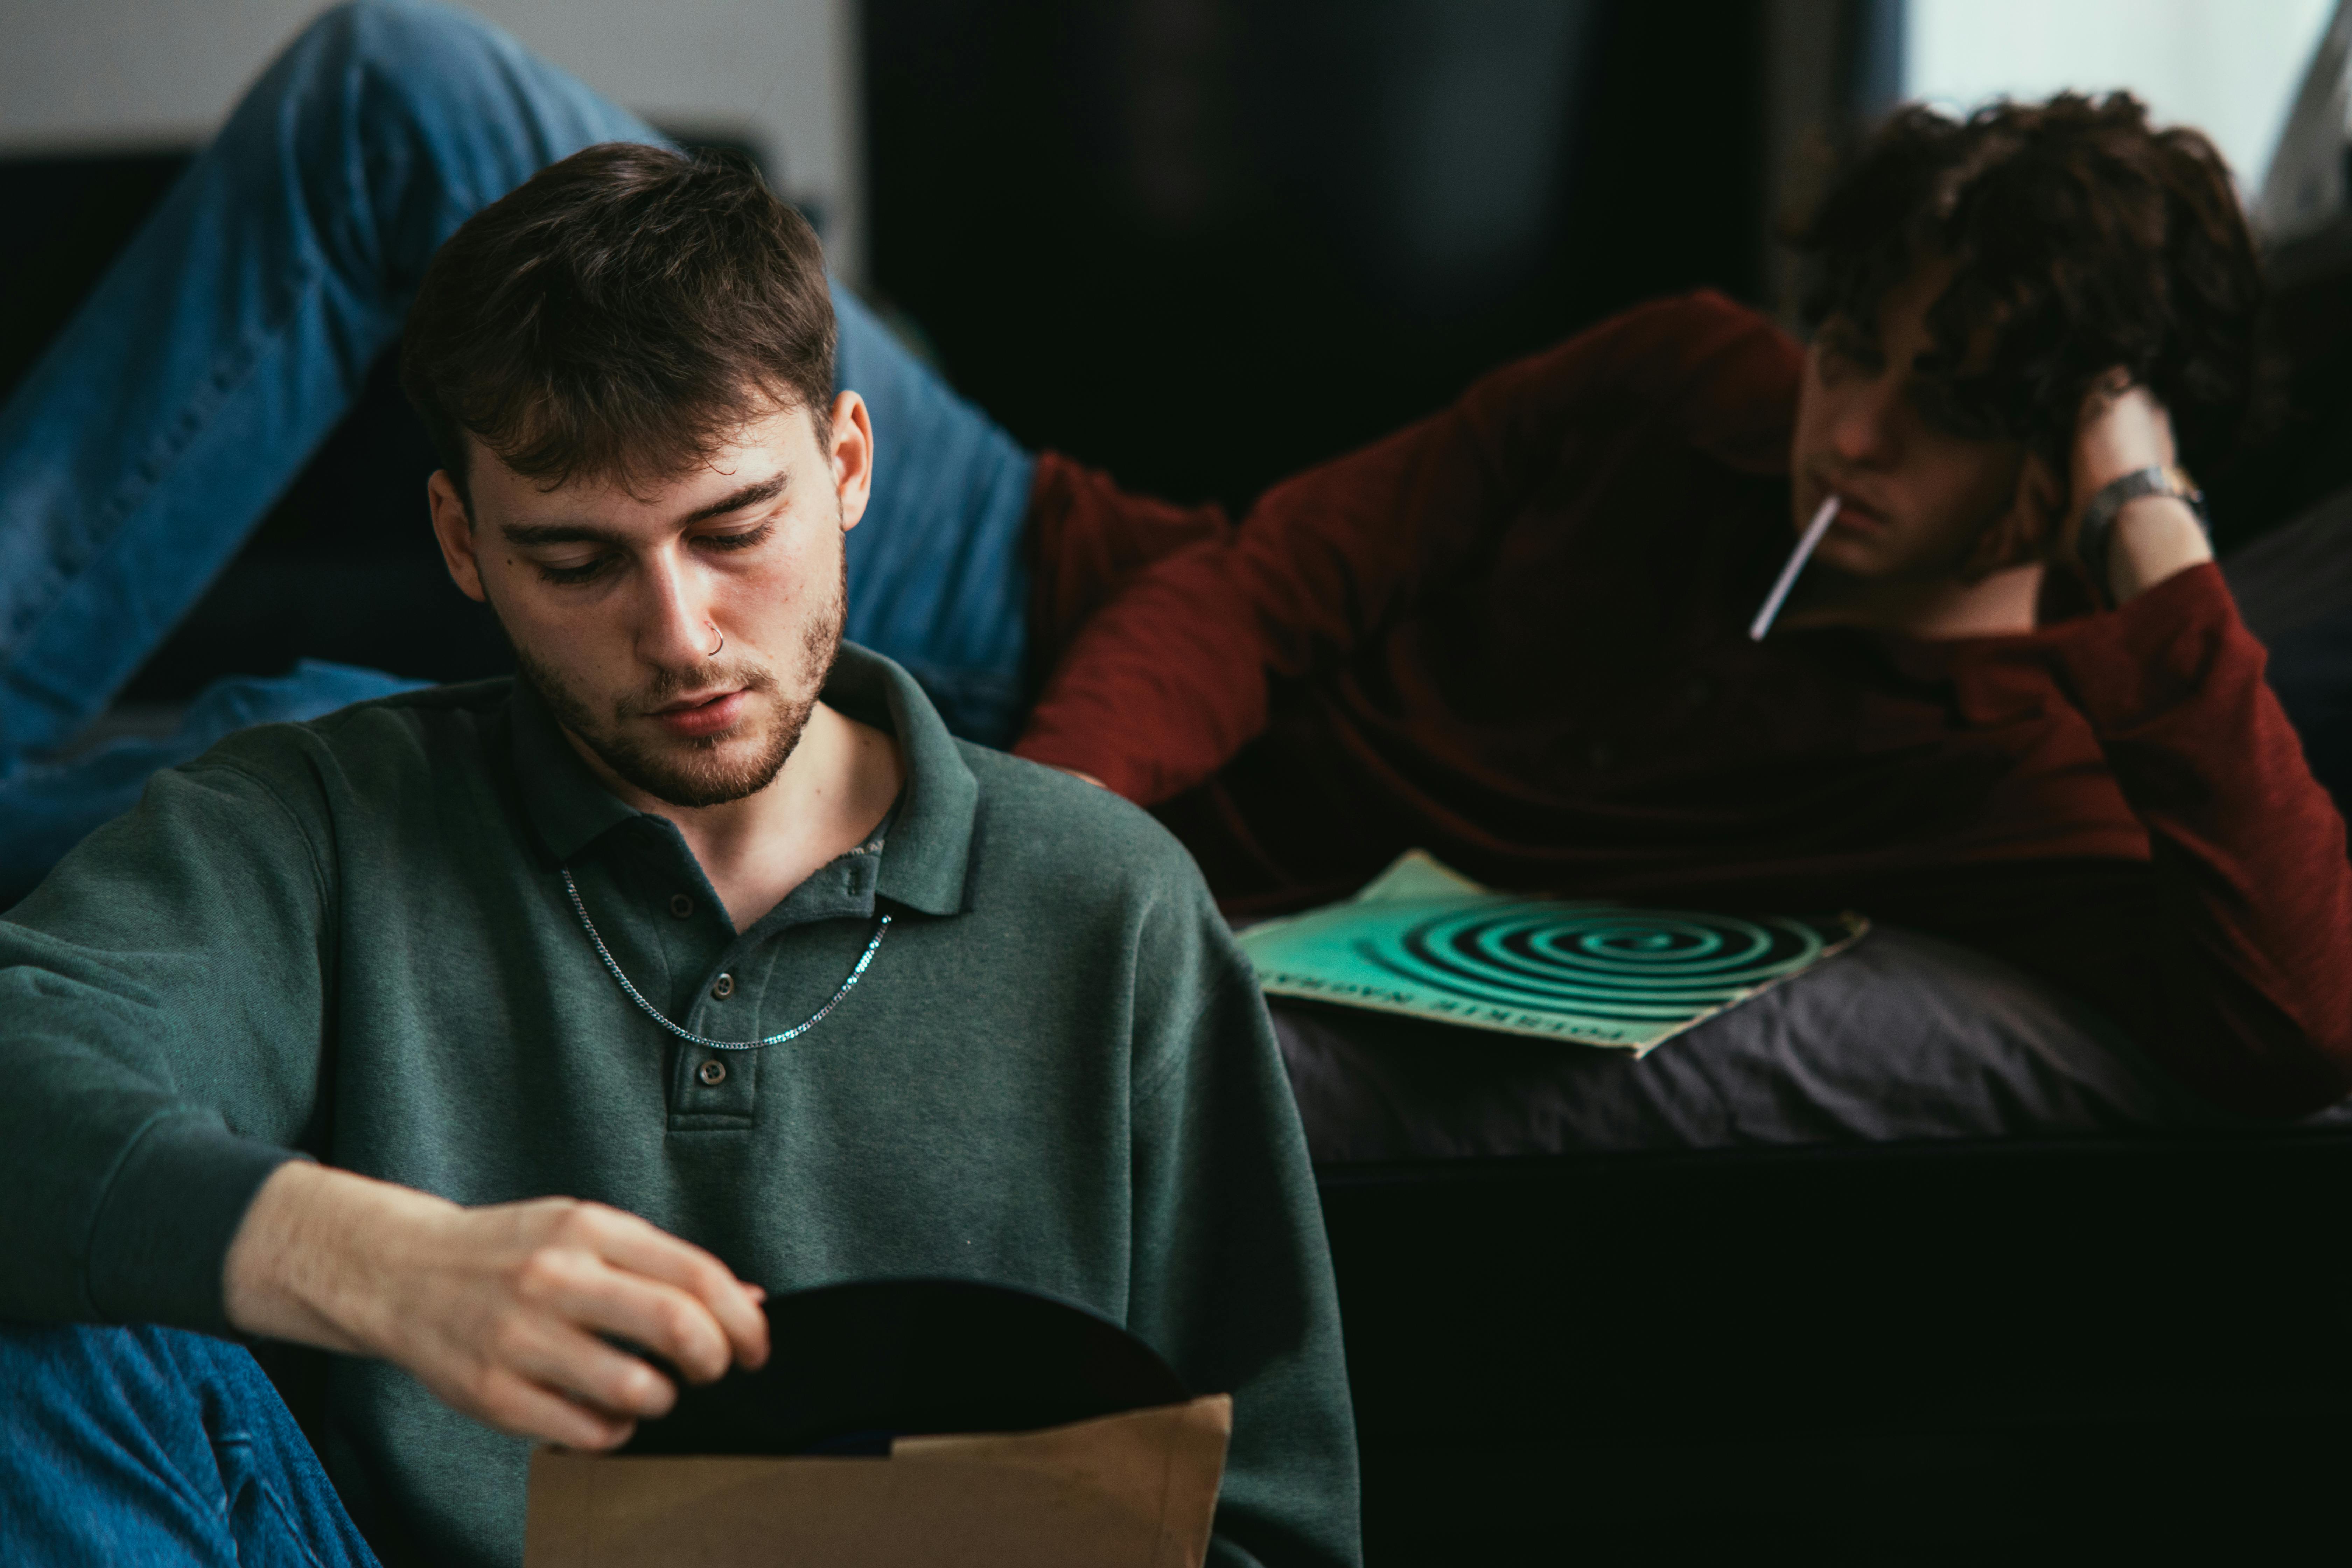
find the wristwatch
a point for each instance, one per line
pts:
(2097, 534)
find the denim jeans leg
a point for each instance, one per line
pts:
(938, 568)
(156, 1447)
(239, 326)
(47, 808)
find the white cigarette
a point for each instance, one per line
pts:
(1797, 559)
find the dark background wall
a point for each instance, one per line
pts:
(1202, 243)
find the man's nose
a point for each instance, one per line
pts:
(677, 632)
(1862, 434)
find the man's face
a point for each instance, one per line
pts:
(1915, 501)
(681, 637)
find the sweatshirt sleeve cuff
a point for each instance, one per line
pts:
(163, 1231)
(2159, 651)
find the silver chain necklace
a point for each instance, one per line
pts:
(881, 929)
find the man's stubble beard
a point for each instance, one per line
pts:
(689, 774)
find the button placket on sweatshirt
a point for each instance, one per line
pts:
(755, 980)
(670, 909)
(715, 1090)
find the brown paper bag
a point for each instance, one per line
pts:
(1136, 1491)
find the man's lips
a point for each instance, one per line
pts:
(1854, 514)
(700, 716)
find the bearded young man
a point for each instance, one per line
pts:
(699, 956)
(1517, 634)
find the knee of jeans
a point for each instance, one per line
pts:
(381, 67)
(442, 94)
(408, 116)
(417, 40)
(423, 51)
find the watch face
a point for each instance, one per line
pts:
(852, 1366)
(2102, 506)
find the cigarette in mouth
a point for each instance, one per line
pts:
(1797, 559)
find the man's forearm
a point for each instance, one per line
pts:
(2153, 538)
(2122, 430)
(294, 1271)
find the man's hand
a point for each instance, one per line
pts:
(498, 1310)
(2123, 428)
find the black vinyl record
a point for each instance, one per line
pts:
(852, 1366)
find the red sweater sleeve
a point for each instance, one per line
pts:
(2253, 1005)
(1170, 680)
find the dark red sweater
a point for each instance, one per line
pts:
(1515, 634)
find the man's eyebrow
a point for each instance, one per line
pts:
(749, 495)
(530, 535)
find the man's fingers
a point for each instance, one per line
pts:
(2108, 387)
(664, 1320)
(612, 1383)
(516, 1404)
(633, 1244)
(578, 1285)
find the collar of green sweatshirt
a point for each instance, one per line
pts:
(930, 835)
(351, 938)
(713, 981)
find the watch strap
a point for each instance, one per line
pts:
(2095, 537)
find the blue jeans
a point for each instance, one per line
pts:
(144, 1448)
(238, 328)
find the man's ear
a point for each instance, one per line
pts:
(852, 456)
(453, 528)
(2024, 532)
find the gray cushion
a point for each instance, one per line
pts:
(1902, 1037)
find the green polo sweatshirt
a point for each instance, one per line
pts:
(350, 937)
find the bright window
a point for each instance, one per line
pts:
(2231, 67)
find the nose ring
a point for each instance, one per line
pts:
(714, 653)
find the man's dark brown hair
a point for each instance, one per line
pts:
(617, 316)
(2083, 240)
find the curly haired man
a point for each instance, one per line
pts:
(2010, 704)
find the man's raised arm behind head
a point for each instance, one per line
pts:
(2067, 284)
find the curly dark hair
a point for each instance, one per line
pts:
(2084, 238)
